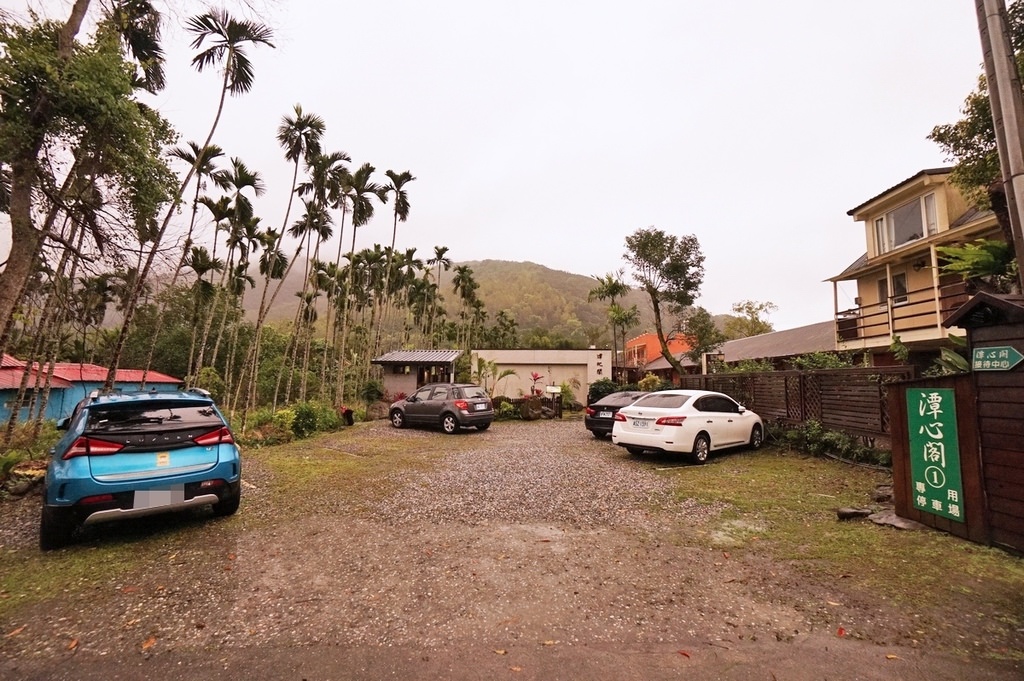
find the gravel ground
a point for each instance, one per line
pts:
(561, 542)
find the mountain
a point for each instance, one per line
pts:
(535, 296)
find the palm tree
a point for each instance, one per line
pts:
(362, 191)
(300, 137)
(401, 212)
(228, 38)
(611, 287)
(440, 259)
(241, 239)
(202, 159)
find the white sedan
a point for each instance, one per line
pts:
(694, 422)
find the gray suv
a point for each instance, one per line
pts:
(452, 406)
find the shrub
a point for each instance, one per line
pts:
(650, 383)
(601, 388)
(505, 410)
(813, 438)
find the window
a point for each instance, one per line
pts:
(906, 223)
(899, 289)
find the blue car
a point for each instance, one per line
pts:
(127, 455)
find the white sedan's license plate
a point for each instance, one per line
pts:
(640, 423)
(480, 407)
(153, 498)
(604, 414)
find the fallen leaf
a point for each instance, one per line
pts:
(543, 541)
(16, 631)
(515, 669)
(833, 603)
(73, 644)
(892, 657)
(129, 589)
(684, 653)
(501, 652)
(840, 632)
(725, 553)
(149, 643)
(550, 643)
(133, 622)
(231, 556)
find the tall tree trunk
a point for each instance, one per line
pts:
(133, 301)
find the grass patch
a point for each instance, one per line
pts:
(794, 497)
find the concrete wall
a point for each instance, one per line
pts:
(556, 366)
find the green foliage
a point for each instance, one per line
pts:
(822, 360)
(601, 388)
(700, 328)
(505, 410)
(371, 391)
(312, 417)
(899, 350)
(813, 438)
(10, 459)
(750, 322)
(649, 382)
(304, 424)
(209, 379)
(988, 260)
(745, 366)
(568, 390)
(950, 360)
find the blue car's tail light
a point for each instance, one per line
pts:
(90, 446)
(220, 436)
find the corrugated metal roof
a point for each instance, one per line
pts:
(8, 361)
(10, 379)
(74, 371)
(820, 337)
(65, 373)
(419, 357)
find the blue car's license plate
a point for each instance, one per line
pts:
(153, 498)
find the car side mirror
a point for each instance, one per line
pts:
(410, 398)
(63, 423)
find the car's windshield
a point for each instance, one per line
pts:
(155, 416)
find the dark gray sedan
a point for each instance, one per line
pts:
(451, 406)
(600, 416)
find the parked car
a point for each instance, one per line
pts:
(127, 455)
(452, 406)
(695, 422)
(600, 416)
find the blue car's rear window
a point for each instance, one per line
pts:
(151, 416)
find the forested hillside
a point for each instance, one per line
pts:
(536, 297)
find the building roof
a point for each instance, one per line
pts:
(915, 176)
(66, 373)
(819, 337)
(403, 357)
(8, 361)
(93, 373)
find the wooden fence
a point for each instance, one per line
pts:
(849, 400)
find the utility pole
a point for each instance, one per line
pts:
(1007, 113)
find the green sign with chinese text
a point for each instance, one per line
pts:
(935, 452)
(996, 358)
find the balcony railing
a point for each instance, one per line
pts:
(923, 308)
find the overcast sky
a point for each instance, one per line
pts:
(548, 131)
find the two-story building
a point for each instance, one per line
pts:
(900, 292)
(641, 350)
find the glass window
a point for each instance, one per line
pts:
(663, 401)
(931, 219)
(909, 222)
(899, 288)
(151, 416)
(883, 292)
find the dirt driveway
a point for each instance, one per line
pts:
(530, 551)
